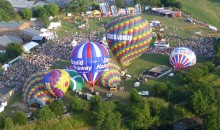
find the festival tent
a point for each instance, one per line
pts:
(28, 46)
(96, 13)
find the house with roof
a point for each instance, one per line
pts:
(12, 28)
(28, 33)
(7, 39)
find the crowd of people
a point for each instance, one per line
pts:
(46, 55)
(43, 57)
(202, 46)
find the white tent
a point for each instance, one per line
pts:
(28, 46)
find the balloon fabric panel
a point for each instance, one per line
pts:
(128, 37)
(89, 60)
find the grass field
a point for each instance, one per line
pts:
(179, 26)
(204, 10)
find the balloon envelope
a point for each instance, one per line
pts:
(128, 37)
(111, 77)
(34, 93)
(89, 60)
(182, 57)
(57, 82)
(76, 81)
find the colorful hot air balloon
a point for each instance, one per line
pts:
(89, 60)
(111, 77)
(128, 36)
(34, 93)
(182, 57)
(57, 82)
(76, 81)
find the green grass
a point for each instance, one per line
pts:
(204, 10)
(146, 61)
(182, 28)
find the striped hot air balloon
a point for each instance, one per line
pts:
(128, 37)
(111, 77)
(57, 82)
(89, 60)
(76, 81)
(34, 93)
(182, 57)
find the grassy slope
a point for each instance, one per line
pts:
(205, 10)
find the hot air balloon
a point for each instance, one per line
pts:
(57, 82)
(76, 81)
(182, 57)
(89, 60)
(128, 37)
(34, 93)
(111, 77)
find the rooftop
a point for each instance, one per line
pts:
(31, 32)
(5, 40)
(10, 24)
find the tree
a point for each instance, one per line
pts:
(160, 90)
(151, 2)
(199, 103)
(2, 119)
(210, 66)
(77, 105)
(95, 103)
(57, 107)
(78, 5)
(134, 96)
(20, 118)
(119, 3)
(45, 114)
(140, 118)
(7, 7)
(178, 5)
(13, 50)
(212, 120)
(8, 123)
(4, 16)
(39, 11)
(45, 19)
(52, 9)
(26, 13)
(109, 120)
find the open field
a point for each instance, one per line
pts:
(204, 10)
(177, 26)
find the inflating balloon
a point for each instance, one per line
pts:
(34, 93)
(89, 60)
(182, 57)
(111, 77)
(76, 81)
(128, 37)
(57, 82)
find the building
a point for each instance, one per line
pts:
(12, 28)
(5, 40)
(28, 33)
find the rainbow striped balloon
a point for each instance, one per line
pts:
(57, 82)
(34, 93)
(111, 77)
(128, 37)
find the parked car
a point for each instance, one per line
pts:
(144, 93)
